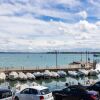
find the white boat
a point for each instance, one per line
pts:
(2, 76)
(85, 72)
(19, 87)
(34, 84)
(22, 76)
(47, 74)
(30, 76)
(55, 74)
(97, 69)
(92, 72)
(13, 76)
(73, 73)
(62, 73)
(38, 74)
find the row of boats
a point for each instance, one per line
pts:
(46, 74)
(31, 76)
(81, 72)
(49, 74)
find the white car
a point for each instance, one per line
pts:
(5, 94)
(34, 93)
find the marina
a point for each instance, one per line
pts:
(80, 70)
(49, 49)
(50, 78)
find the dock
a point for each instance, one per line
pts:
(66, 68)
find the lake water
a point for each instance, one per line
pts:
(53, 84)
(33, 60)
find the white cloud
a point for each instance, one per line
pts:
(40, 8)
(83, 14)
(71, 3)
(27, 33)
(34, 34)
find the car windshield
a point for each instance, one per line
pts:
(45, 91)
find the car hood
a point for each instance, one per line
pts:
(92, 92)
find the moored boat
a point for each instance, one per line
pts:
(92, 72)
(62, 73)
(22, 76)
(13, 76)
(38, 75)
(97, 69)
(55, 75)
(73, 74)
(85, 72)
(30, 76)
(47, 74)
(2, 76)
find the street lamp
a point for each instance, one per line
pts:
(56, 58)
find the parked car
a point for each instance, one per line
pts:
(95, 87)
(5, 94)
(75, 92)
(34, 93)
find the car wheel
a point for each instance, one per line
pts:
(16, 98)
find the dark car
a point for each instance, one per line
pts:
(95, 87)
(75, 92)
(5, 94)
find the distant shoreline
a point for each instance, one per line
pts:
(56, 52)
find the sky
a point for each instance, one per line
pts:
(49, 25)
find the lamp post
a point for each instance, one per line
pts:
(86, 58)
(81, 56)
(56, 58)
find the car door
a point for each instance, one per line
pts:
(66, 94)
(96, 87)
(6, 95)
(75, 94)
(25, 94)
(34, 94)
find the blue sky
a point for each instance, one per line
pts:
(47, 25)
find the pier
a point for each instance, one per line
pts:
(70, 67)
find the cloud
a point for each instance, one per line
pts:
(34, 34)
(71, 3)
(27, 25)
(83, 14)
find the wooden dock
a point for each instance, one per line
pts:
(42, 69)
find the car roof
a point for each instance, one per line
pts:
(78, 87)
(4, 90)
(38, 87)
(97, 82)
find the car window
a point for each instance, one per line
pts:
(74, 89)
(97, 84)
(5, 94)
(45, 91)
(25, 91)
(66, 90)
(77, 90)
(33, 91)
